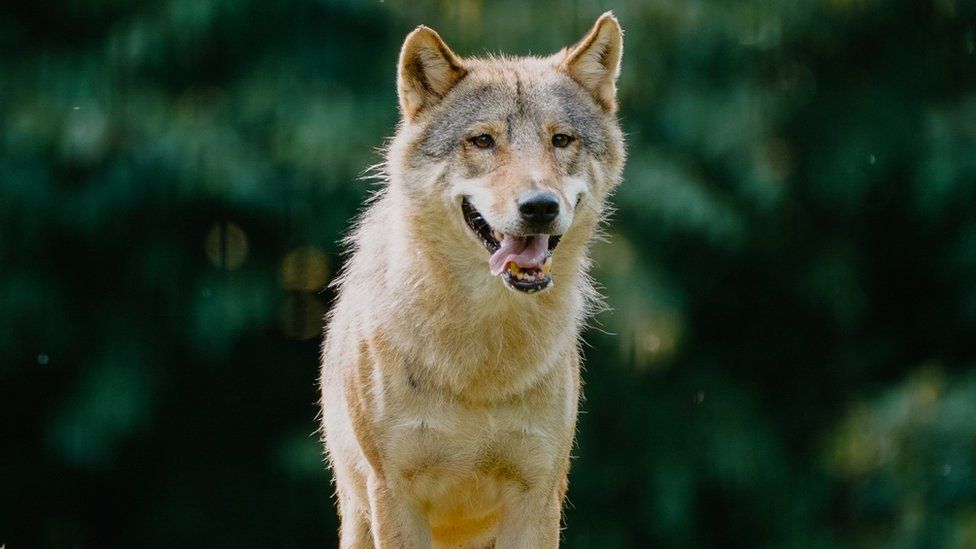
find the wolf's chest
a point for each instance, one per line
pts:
(454, 458)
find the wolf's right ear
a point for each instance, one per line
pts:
(428, 69)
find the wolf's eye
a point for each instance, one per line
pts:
(561, 140)
(483, 141)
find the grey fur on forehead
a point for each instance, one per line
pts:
(519, 100)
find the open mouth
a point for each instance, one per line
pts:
(523, 261)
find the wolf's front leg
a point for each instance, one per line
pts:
(396, 524)
(532, 523)
(354, 530)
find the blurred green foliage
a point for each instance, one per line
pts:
(792, 268)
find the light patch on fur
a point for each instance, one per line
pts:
(478, 191)
(573, 190)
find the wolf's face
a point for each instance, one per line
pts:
(516, 150)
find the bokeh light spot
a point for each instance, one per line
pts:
(226, 245)
(305, 269)
(301, 316)
(656, 336)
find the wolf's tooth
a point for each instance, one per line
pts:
(547, 266)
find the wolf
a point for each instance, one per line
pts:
(450, 375)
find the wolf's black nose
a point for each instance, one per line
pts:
(538, 206)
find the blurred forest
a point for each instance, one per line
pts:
(789, 361)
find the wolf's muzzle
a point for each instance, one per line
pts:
(524, 260)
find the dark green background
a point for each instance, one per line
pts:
(792, 268)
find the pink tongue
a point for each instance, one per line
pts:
(528, 252)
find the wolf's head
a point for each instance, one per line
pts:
(519, 154)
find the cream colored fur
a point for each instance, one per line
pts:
(449, 401)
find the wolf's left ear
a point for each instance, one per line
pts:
(428, 69)
(594, 62)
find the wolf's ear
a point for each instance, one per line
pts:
(428, 70)
(594, 61)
